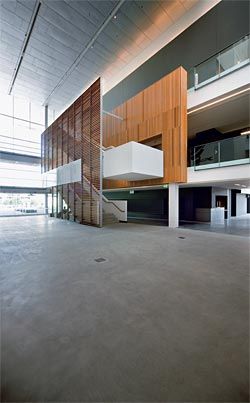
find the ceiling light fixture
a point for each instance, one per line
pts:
(246, 132)
(218, 101)
(237, 184)
(115, 17)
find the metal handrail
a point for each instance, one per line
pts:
(216, 147)
(220, 141)
(193, 74)
(221, 51)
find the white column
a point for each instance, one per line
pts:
(173, 205)
(46, 204)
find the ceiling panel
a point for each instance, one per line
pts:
(63, 29)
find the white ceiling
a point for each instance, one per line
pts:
(227, 184)
(62, 31)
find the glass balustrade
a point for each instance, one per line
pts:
(223, 63)
(231, 151)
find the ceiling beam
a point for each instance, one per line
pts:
(15, 189)
(84, 51)
(19, 158)
(25, 44)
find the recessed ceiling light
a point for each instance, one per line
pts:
(246, 132)
(237, 184)
(115, 16)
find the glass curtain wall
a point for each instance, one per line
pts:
(21, 125)
(21, 204)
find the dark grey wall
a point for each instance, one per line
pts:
(154, 203)
(220, 27)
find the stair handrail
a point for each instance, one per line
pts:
(94, 142)
(101, 148)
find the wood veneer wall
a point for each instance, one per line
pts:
(160, 109)
(76, 134)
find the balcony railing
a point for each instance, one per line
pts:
(221, 64)
(231, 151)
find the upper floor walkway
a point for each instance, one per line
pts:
(224, 74)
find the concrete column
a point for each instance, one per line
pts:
(46, 117)
(46, 204)
(229, 203)
(173, 205)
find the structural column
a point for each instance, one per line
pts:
(46, 118)
(46, 125)
(46, 204)
(173, 205)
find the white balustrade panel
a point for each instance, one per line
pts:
(133, 161)
(68, 173)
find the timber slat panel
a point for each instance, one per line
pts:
(160, 109)
(76, 134)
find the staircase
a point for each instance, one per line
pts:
(113, 211)
(78, 205)
(109, 218)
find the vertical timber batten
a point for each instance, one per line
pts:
(76, 134)
(159, 111)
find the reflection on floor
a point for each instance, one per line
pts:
(148, 221)
(234, 226)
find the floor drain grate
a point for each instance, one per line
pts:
(182, 237)
(100, 259)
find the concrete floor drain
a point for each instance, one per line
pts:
(182, 237)
(100, 259)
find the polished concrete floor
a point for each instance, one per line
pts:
(164, 318)
(234, 226)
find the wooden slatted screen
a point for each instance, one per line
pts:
(76, 134)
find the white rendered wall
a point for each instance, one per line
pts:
(218, 88)
(214, 175)
(216, 191)
(241, 204)
(133, 161)
(67, 173)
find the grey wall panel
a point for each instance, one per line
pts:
(220, 27)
